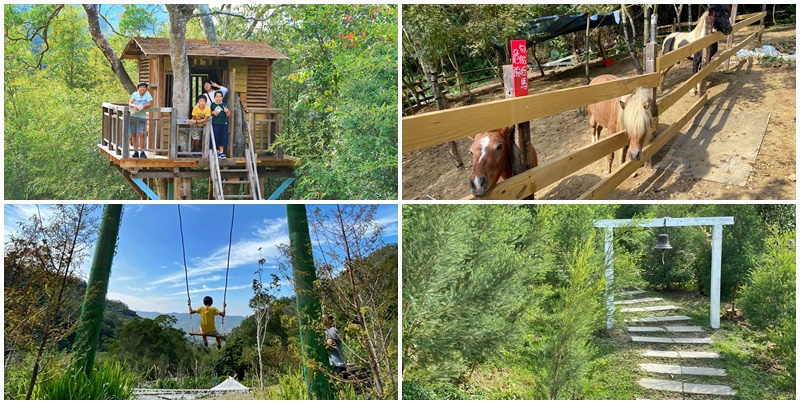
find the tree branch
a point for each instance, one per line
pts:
(102, 43)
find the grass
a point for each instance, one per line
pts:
(613, 372)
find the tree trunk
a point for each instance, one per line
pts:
(536, 59)
(56, 307)
(179, 15)
(208, 24)
(647, 12)
(239, 127)
(586, 46)
(441, 104)
(309, 309)
(631, 51)
(94, 302)
(108, 51)
(373, 363)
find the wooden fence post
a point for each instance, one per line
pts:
(706, 57)
(650, 56)
(522, 134)
(730, 37)
(761, 25)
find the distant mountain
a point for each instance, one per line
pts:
(231, 321)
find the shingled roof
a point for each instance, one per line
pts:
(198, 47)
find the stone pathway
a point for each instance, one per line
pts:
(698, 339)
(651, 308)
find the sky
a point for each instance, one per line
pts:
(148, 271)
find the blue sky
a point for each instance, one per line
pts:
(148, 272)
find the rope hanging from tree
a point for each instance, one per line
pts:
(186, 269)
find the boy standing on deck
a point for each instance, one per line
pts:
(201, 114)
(207, 326)
(140, 100)
(219, 122)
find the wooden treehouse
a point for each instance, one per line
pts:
(245, 68)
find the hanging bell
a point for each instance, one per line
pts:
(663, 242)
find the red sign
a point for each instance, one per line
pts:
(519, 63)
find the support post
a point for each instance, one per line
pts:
(716, 273)
(706, 57)
(730, 37)
(94, 302)
(309, 309)
(126, 132)
(161, 188)
(173, 134)
(609, 261)
(651, 66)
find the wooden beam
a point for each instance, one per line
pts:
(670, 222)
(421, 131)
(683, 52)
(604, 187)
(129, 180)
(670, 99)
(531, 181)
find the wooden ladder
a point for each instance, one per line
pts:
(248, 177)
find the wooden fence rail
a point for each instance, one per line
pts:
(435, 128)
(438, 127)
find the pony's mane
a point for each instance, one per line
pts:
(701, 22)
(635, 118)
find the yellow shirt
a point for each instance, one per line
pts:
(199, 114)
(207, 314)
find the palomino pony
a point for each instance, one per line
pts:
(492, 159)
(720, 15)
(632, 113)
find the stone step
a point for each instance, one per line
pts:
(684, 328)
(660, 319)
(681, 354)
(666, 340)
(681, 370)
(693, 328)
(631, 292)
(640, 300)
(691, 388)
(647, 309)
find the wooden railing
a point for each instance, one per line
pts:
(265, 123)
(116, 130)
(421, 131)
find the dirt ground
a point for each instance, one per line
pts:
(431, 174)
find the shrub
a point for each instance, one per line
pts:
(770, 295)
(108, 382)
(414, 391)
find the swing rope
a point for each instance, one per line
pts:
(185, 268)
(228, 265)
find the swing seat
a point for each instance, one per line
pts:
(200, 334)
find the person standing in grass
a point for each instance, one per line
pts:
(219, 122)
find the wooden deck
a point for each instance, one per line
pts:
(162, 162)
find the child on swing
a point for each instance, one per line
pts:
(207, 313)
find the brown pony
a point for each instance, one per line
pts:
(632, 113)
(492, 159)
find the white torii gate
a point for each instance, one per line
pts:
(716, 254)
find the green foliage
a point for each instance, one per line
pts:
(108, 382)
(567, 331)
(785, 350)
(338, 93)
(742, 248)
(153, 346)
(414, 391)
(770, 296)
(464, 276)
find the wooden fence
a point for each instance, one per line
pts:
(439, 127)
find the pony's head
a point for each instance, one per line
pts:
(721, 15)
(491, 159)
(636, 118)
